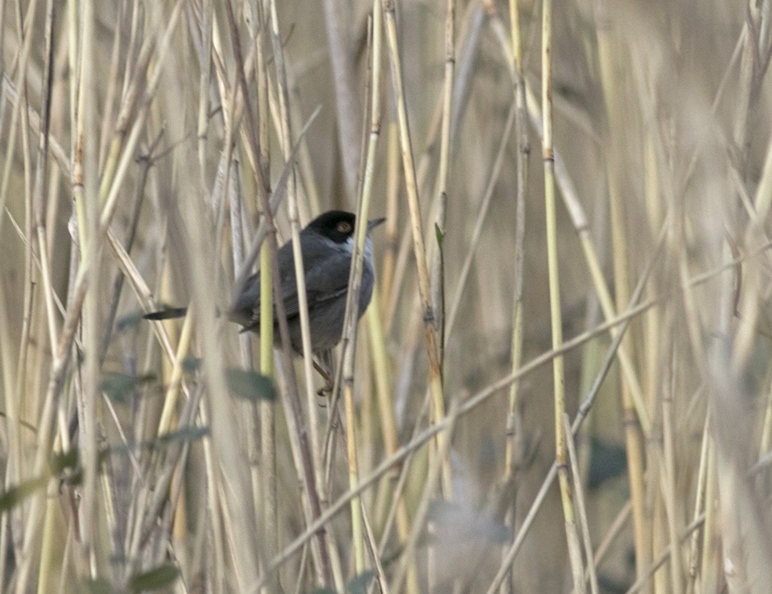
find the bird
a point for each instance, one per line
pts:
(326, 244)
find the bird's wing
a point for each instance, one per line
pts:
(326, 279)
(246, 309)
(327, 275)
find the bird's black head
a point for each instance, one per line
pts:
(336, 225)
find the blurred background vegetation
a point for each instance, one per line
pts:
(136, 456)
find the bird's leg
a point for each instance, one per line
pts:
(327, 380)
(324, 367)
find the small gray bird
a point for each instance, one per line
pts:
(326, 244)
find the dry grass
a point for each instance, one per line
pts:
(140, 142)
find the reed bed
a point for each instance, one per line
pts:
(562, 383)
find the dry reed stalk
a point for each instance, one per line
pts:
(411, 185)
(146, 115)
(348, 349)
(558, 375)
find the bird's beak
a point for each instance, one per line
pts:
(373, 223)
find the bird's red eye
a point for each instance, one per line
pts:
(344, 227)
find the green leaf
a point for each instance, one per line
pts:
(119, 386)
(63, 461)
(98, 586)
(359, 584)
(191, 364)
(608, 460)
(155, 579)
(184, 434)
(439, 235)
(18, 493)
(250, 384)
(73, 480)
(129, 321)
